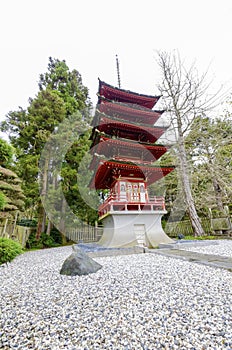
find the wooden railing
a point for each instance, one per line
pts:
(116, 203)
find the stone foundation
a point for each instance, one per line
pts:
(131, 228)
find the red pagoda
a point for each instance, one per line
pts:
(124, 149)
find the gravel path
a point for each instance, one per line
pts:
(224, 248)
(135, 302)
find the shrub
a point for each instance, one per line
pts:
(45, 241)
(9, 249)
(27, 222)
(56, 235)
(32, 242)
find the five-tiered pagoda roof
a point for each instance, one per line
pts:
(123, 138)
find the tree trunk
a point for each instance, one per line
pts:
(64, 239)
(195, 221)
(41, 221)
(62, 222)
(44, 184)
(49, 227)
(186, 99)
(218, 197)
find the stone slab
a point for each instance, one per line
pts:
(205, 259)
(95, 250)
(187, 244)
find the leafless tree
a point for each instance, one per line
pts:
(186, 96)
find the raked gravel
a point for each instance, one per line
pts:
(141, 301)
(223, 248)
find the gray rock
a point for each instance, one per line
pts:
(79, 263)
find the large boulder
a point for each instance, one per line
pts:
(79, 263)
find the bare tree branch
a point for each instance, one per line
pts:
(186, 97)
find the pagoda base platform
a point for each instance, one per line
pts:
(133, 228)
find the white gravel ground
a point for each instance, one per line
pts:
(224, 248)
(135, 302)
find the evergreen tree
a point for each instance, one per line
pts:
(209, 145)
(11, 195)
(61, 94)
(6, 153)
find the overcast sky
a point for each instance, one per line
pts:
(88, 34)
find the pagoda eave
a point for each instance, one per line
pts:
(123, 149)
(108, 171)
(135, 132)
(113, 93)
(99, 116)
(125, 111)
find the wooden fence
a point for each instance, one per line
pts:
(85, 234)
(15, 232)
(210, 226)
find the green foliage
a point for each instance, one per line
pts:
(209, 149)
(76, 178)
(29, 132)
(10, 187)
(67, 83)
(56, 236)
(27, 222)
(3, 200)
(209, 146)
(169, 186)
(200, 238)
(44, 241)
(11, 196)
(6, 153)
(47, 241)
(32, 242)
(61, 94)
(9, 249)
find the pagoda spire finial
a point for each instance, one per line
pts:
(118, 72)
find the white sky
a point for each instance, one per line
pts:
(88, 34)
